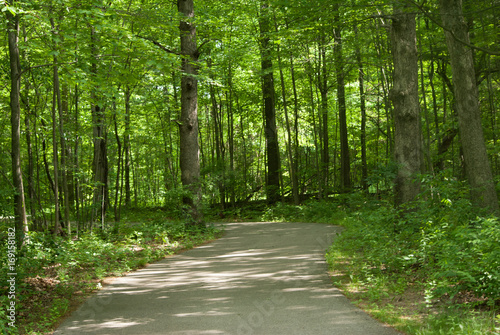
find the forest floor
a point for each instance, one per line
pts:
(60, 275)
(260, 278)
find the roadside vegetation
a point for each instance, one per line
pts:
(55, 274)
(430, 269)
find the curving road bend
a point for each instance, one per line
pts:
(261, 278)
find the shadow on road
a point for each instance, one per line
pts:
(261, 278)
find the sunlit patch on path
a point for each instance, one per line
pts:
(260, 278)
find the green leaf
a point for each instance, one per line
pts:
(11, 9)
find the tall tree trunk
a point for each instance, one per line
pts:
(117, 203)
(431, 74)
(404, 95)
(296, 125)
(493, 109)
(385, 85)
(55, 106)
(100, 163)
(323, 119)
(77, 162)
(477, 165)
(64, 168)
(31, 168)
(188, 126)
(230, 134)
(58, 105)
(21, 222)
(272, 147)
(345, 163)
(427, 160)
(362, 98)
(218, 143)
(244, 149)
(317, 144)
(126, 146)
(29, 147)
(293, 170)
(67, 157)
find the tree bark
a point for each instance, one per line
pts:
(404, 95)
(230, 131)
(100, 163)
(345, 163)
(289, 143)
(117, 203)
(188, 125)
(216, 112)
(477, 165)
(296, 127)
(362, 98)
(77, 162)
(323, 119)
(126, 146)
(29, 147)
(21, 222)
(426, 145)
(271, 134)
(55, 160)
(59, 127)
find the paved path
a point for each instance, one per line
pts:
(260, 278)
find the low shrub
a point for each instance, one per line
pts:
(442, 246)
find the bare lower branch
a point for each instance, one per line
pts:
(158, 44)
(44, 65)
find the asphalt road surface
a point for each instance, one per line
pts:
(259, 279)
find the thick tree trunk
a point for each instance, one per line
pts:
(273, 155)
(21, 222)
(188, 125)
(477, 165)
(404, 95)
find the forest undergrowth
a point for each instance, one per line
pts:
(55, 274)
(433, 268)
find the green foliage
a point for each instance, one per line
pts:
(51, 269)
(442, 246)
(457, 323)
(311, 211)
